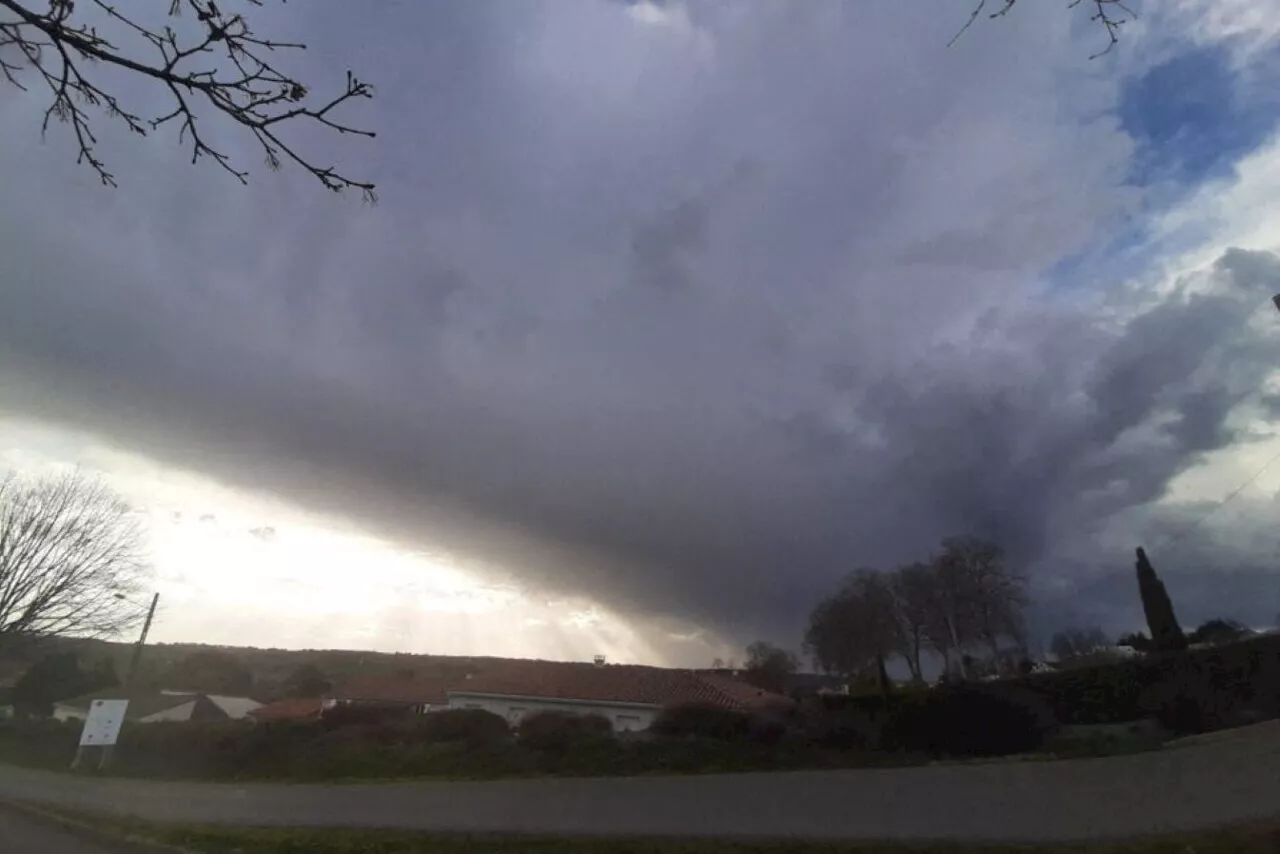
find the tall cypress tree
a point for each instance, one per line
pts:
(1166, 634)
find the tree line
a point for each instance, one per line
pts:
(964, 604)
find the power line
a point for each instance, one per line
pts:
(1275, 300)
(1223, 502)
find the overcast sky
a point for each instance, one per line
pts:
(670, 315)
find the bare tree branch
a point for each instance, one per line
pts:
(236, 78)
(1110, 15)
(69, 559)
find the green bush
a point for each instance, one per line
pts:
(559, 731)
(699, 720)
(43, 743)
(840, 729)
(474, 727)
(967, 720)
(1193, 691)
(364, 714)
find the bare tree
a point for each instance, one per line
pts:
(995, 594)
(855, 628)
(208, 57)
(973, 597)
(950, 626)
(1109, 15)
(1074, 643)
(914, 602)
(69, 551)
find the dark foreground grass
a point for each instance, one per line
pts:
(210, 839)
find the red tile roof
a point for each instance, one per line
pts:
(394, 689)
(744, 694)
(288, 710)
(619, 683)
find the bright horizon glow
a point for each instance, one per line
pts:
(238, 569)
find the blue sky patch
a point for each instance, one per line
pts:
(1193, 117)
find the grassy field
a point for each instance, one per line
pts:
(1258, 839)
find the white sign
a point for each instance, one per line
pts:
(102, 727)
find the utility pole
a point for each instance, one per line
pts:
(129, 675)
(142, 639)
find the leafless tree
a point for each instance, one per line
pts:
(199, 54)
(1109, 15)
(914, 604)
(980, 600)
(995, 593)
(1074, 643)
(69, 550)
(950, 628)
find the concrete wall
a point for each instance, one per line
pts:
(624, 718)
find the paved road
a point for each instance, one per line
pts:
(23, 834)
(1191, 787)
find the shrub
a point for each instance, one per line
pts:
(558, 731)
(474, 727)
(967, 720)
(698, 720)
(1189, 692)
(840, 729)
(364, 714)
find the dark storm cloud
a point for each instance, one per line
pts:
(662, 244)
(1043, 428)
(651, 309)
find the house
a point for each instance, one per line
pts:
(155, 706)
(629, 696)
(301, 709)
(406, 690)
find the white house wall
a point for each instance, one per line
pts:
(623, 718)
(181, 712)
(69, 713)
(234, 707)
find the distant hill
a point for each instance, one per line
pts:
(270, 667)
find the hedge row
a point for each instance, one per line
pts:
(1193, 691)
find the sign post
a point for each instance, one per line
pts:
(101, 728)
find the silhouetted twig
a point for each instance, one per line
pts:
(1109, 14)
(239, 82)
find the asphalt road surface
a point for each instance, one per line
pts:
(1185, 788)
(23, 834)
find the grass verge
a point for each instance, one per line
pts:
(211, 839)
